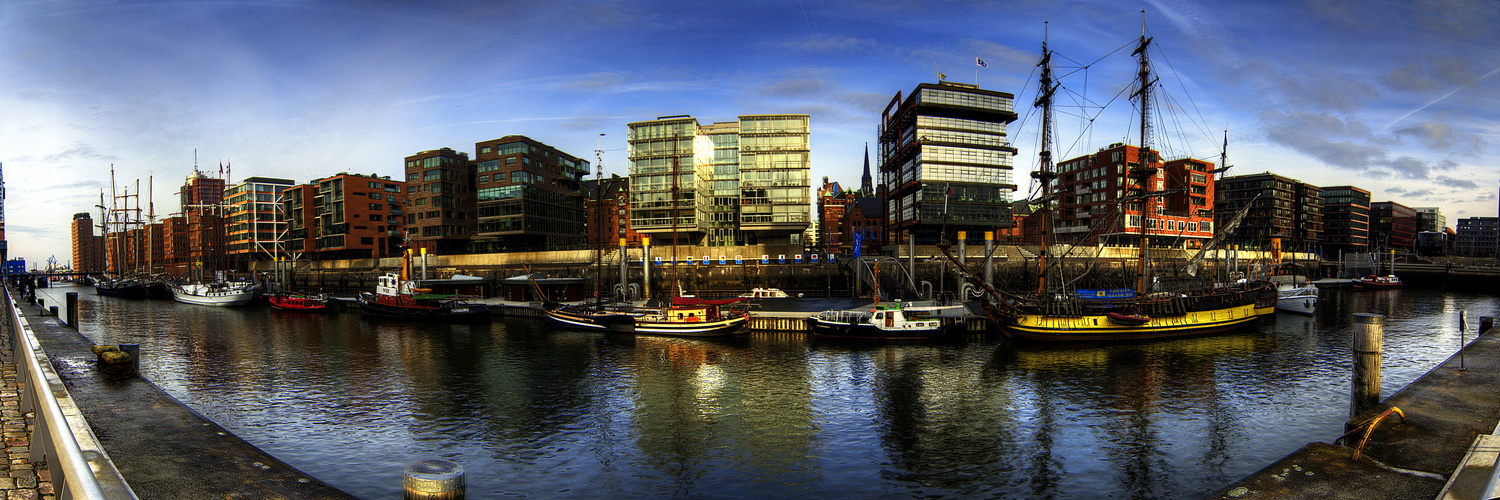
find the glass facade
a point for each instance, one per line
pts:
(735, 183)
(946, 136)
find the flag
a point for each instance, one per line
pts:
(949, 192)
(942, 76)
(980, 62)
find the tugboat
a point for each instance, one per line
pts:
(396, 296)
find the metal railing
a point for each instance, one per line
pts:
(78, 469)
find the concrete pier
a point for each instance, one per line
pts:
(1412, 457)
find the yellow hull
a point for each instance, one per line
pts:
(1099, 327)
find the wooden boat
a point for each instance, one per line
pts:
(122, 288)
(215, 293)
(690, 317)
(588, 317)
(1056, 312)
(395, 296)
(300, 302)
(885, 322)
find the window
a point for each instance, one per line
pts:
(376, 206)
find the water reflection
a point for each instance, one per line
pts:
(531, 410)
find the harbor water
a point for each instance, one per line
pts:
(530, 410)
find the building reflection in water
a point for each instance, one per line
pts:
(533, 410)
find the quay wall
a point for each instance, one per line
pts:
(1014, 268)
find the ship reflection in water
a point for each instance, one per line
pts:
(531, 410)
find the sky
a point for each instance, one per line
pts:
(1399, 98)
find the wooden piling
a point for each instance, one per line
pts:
(1369, 333)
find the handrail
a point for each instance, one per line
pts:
(73, 475)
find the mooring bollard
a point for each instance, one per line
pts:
(1369, 333)
(433, 480)
(1486, 323)
(52, 311)
(72, 301)
(134, 350)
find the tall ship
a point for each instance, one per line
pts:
(1160, 304)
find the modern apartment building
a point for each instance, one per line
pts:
(440, 195)
(254, 218)
(1280, 208)
(88, 248)
(945, 161)
(1393, 226)
(528, 196)
(1478, 237)
(1346, 220)
(345, 216)
(724, 184)
(1430, 219)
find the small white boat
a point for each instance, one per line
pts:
(765, 293)
(1294, 292)
(1299, 299)
(217, 293)
(885, 322)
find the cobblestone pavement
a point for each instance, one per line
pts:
(22, 479)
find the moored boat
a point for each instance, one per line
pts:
(215, 293)
(395, 296)
(301, 302)
(765, 293)
(1373, 282)
(1133, 212)
(122, 288)
(897, 321)
(690, 317)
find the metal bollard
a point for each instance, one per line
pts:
(72, 300)
(1486, 323)
(1369, 333)
(134, 350)
(433, 480)
(52, 311)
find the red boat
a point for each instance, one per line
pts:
(298, 302)
(1127, 319)
(1378, 282)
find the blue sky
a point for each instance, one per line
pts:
(1397, 97)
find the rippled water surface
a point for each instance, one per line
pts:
(531, 410)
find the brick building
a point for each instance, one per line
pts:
(88, 248)
(527, 196)
(440, 196)
(345, 216)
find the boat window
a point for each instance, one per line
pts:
(880, 315)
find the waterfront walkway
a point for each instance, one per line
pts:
(22, 479)
(162, 448)
(1414, 457)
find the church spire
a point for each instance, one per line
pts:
(866, 186)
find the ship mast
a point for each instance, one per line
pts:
(1045, 172)
(1145, 167)
(598, 223)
